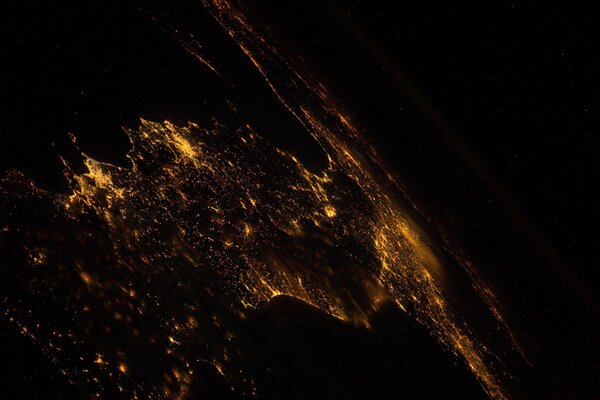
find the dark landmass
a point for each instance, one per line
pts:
(297, 352)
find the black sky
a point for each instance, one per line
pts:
(518, 82)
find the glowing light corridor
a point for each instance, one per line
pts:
(207, 222)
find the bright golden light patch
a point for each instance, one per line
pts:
(123, 368)
(330, 211)
(86, 278)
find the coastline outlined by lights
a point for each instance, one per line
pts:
(207, 222)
